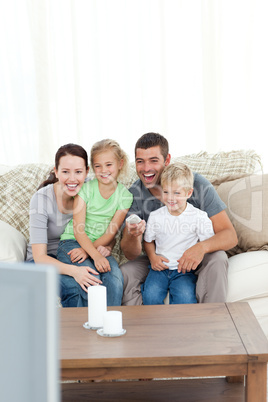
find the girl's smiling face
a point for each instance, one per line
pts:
(71, 174)
(106, 166)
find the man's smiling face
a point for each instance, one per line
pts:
(149, 165)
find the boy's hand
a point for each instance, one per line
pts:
(157, 263)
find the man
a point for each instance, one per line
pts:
(207, 258)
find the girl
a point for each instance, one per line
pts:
(99, 210)
(51, 209)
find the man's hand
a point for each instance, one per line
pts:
(136, 229)
(157, 262)
(105, 251)
(191, 258)
(78, 255)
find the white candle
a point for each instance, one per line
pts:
(97, 305)
(112, 323)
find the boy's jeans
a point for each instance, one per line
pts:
(181, 287)
(71, 293)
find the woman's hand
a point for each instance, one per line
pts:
(85, 279)
(78, 255)
(104, 251)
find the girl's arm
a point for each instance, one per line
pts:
(107, 238)
(81, 274)
(79, 219)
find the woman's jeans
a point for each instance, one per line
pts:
(181, 287)
(71, 293)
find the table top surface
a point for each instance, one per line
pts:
(165, 335)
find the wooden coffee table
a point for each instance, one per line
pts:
(169, 341)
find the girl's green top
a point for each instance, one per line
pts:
(99, 211)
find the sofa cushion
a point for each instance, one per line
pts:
(17, 187)
(248, 276)
(222, 164)
(13, 244)
(247, 207)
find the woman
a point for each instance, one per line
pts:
(51, 208)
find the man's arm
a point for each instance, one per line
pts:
(225, 238)
(131, 243)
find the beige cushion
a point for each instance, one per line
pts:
(13, 244)
(248, 276)
(221, 164)
(247, 207)
(16, 189)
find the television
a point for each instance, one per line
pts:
(29, 332)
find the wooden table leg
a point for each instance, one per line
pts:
(256, 385)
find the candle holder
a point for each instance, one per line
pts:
(112, 325)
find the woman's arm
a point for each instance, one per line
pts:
(82, 274)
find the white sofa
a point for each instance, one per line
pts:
(239, 180)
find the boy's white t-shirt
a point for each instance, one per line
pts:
(175, 234)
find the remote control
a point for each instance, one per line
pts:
(133, 219)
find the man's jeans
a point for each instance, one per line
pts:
(71, 293)
(181, 287)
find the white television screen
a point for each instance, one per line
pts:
(29, 364)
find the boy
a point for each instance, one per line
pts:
(170, 231)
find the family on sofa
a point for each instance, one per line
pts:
(74, 223)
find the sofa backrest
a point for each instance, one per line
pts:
(19, 184)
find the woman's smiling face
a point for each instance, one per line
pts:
(71, 174)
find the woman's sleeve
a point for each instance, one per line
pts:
(38, 219)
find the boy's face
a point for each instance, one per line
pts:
(150, 164)
(175, 197)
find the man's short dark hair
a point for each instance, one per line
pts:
(150, 140)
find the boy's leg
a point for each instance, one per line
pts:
(71, 293)
(113, 280)
(212, 279)
(155, 287)
(182, 288)
(134, 274)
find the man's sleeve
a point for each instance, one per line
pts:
(205, 197)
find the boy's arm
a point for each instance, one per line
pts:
(157, 261)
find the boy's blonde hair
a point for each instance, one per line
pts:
(180, 173)
(110, 145)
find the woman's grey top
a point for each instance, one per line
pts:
(47, 223)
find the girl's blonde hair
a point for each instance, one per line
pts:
(110, 145)
(180, 173)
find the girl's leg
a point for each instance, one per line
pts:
(113, 280)
(182, 288)
(155, 287)
(71, 293)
